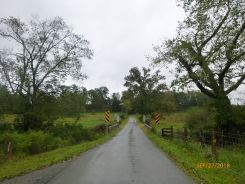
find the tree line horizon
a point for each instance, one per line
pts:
(208, 53)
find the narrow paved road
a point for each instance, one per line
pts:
(129, 158)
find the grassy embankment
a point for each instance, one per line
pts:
(18, 166)
(188, 155)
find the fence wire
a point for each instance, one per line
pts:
(211, 139)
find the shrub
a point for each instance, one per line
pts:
(238, 118)
(38, 142)
(140, 118)
(34, 142)
(73, 132)
(200, 119)
(122, 117)
(100, 129)
(13, 137)
(31, 142)
(29, 120)
(6, 127)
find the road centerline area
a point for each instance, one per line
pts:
(129, 158)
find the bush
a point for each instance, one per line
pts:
(122, 117)
(31, 142)
(29, 120)
(200, 119)
(75, 133)
(6, 127)
(100, 129)
(38, 142)
(238, 113)
(13, 137)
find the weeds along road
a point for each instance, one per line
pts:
(128, 158)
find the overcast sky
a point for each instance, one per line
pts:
(121, 32)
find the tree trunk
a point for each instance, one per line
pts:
(224, 113)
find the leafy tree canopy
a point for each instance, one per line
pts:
(46, 52)
(143, 89)
(209, 50)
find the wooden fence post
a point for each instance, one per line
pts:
(9, 150)
(172, 132)
(222, 139)
(202, 138)
(213, 142)
(107, 129)
(185, 134)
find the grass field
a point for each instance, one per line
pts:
(30, 163)
(8, 118)
(177, 120)
(188, 154)
(88, 120)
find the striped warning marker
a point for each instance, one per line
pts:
(107, 116)
(157, 118)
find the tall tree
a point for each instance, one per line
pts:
(46, 52)
(209, 50)
(98, 99)
(72, 100)
(191, 98)
(115, 102)
(143, 88)
(127, 102)
(4, 99)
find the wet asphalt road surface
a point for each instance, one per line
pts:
(129, 158)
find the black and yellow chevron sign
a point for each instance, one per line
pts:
(107, 116)
(157, 118)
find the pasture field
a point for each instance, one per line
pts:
(189, 154)
(88, 120)
(27, 164)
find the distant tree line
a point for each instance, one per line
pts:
(73, 100)
(147, 93)
(64, 101)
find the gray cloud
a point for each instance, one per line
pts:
(121, 32)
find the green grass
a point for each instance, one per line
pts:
(188, 155)
(30, 163)
(88, 120)
(8, 118)
(176, 119)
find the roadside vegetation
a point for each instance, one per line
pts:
(207, 59)
(188, 154)
(61, 133)
(28, 163)
(43, 121)
(40, 116)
